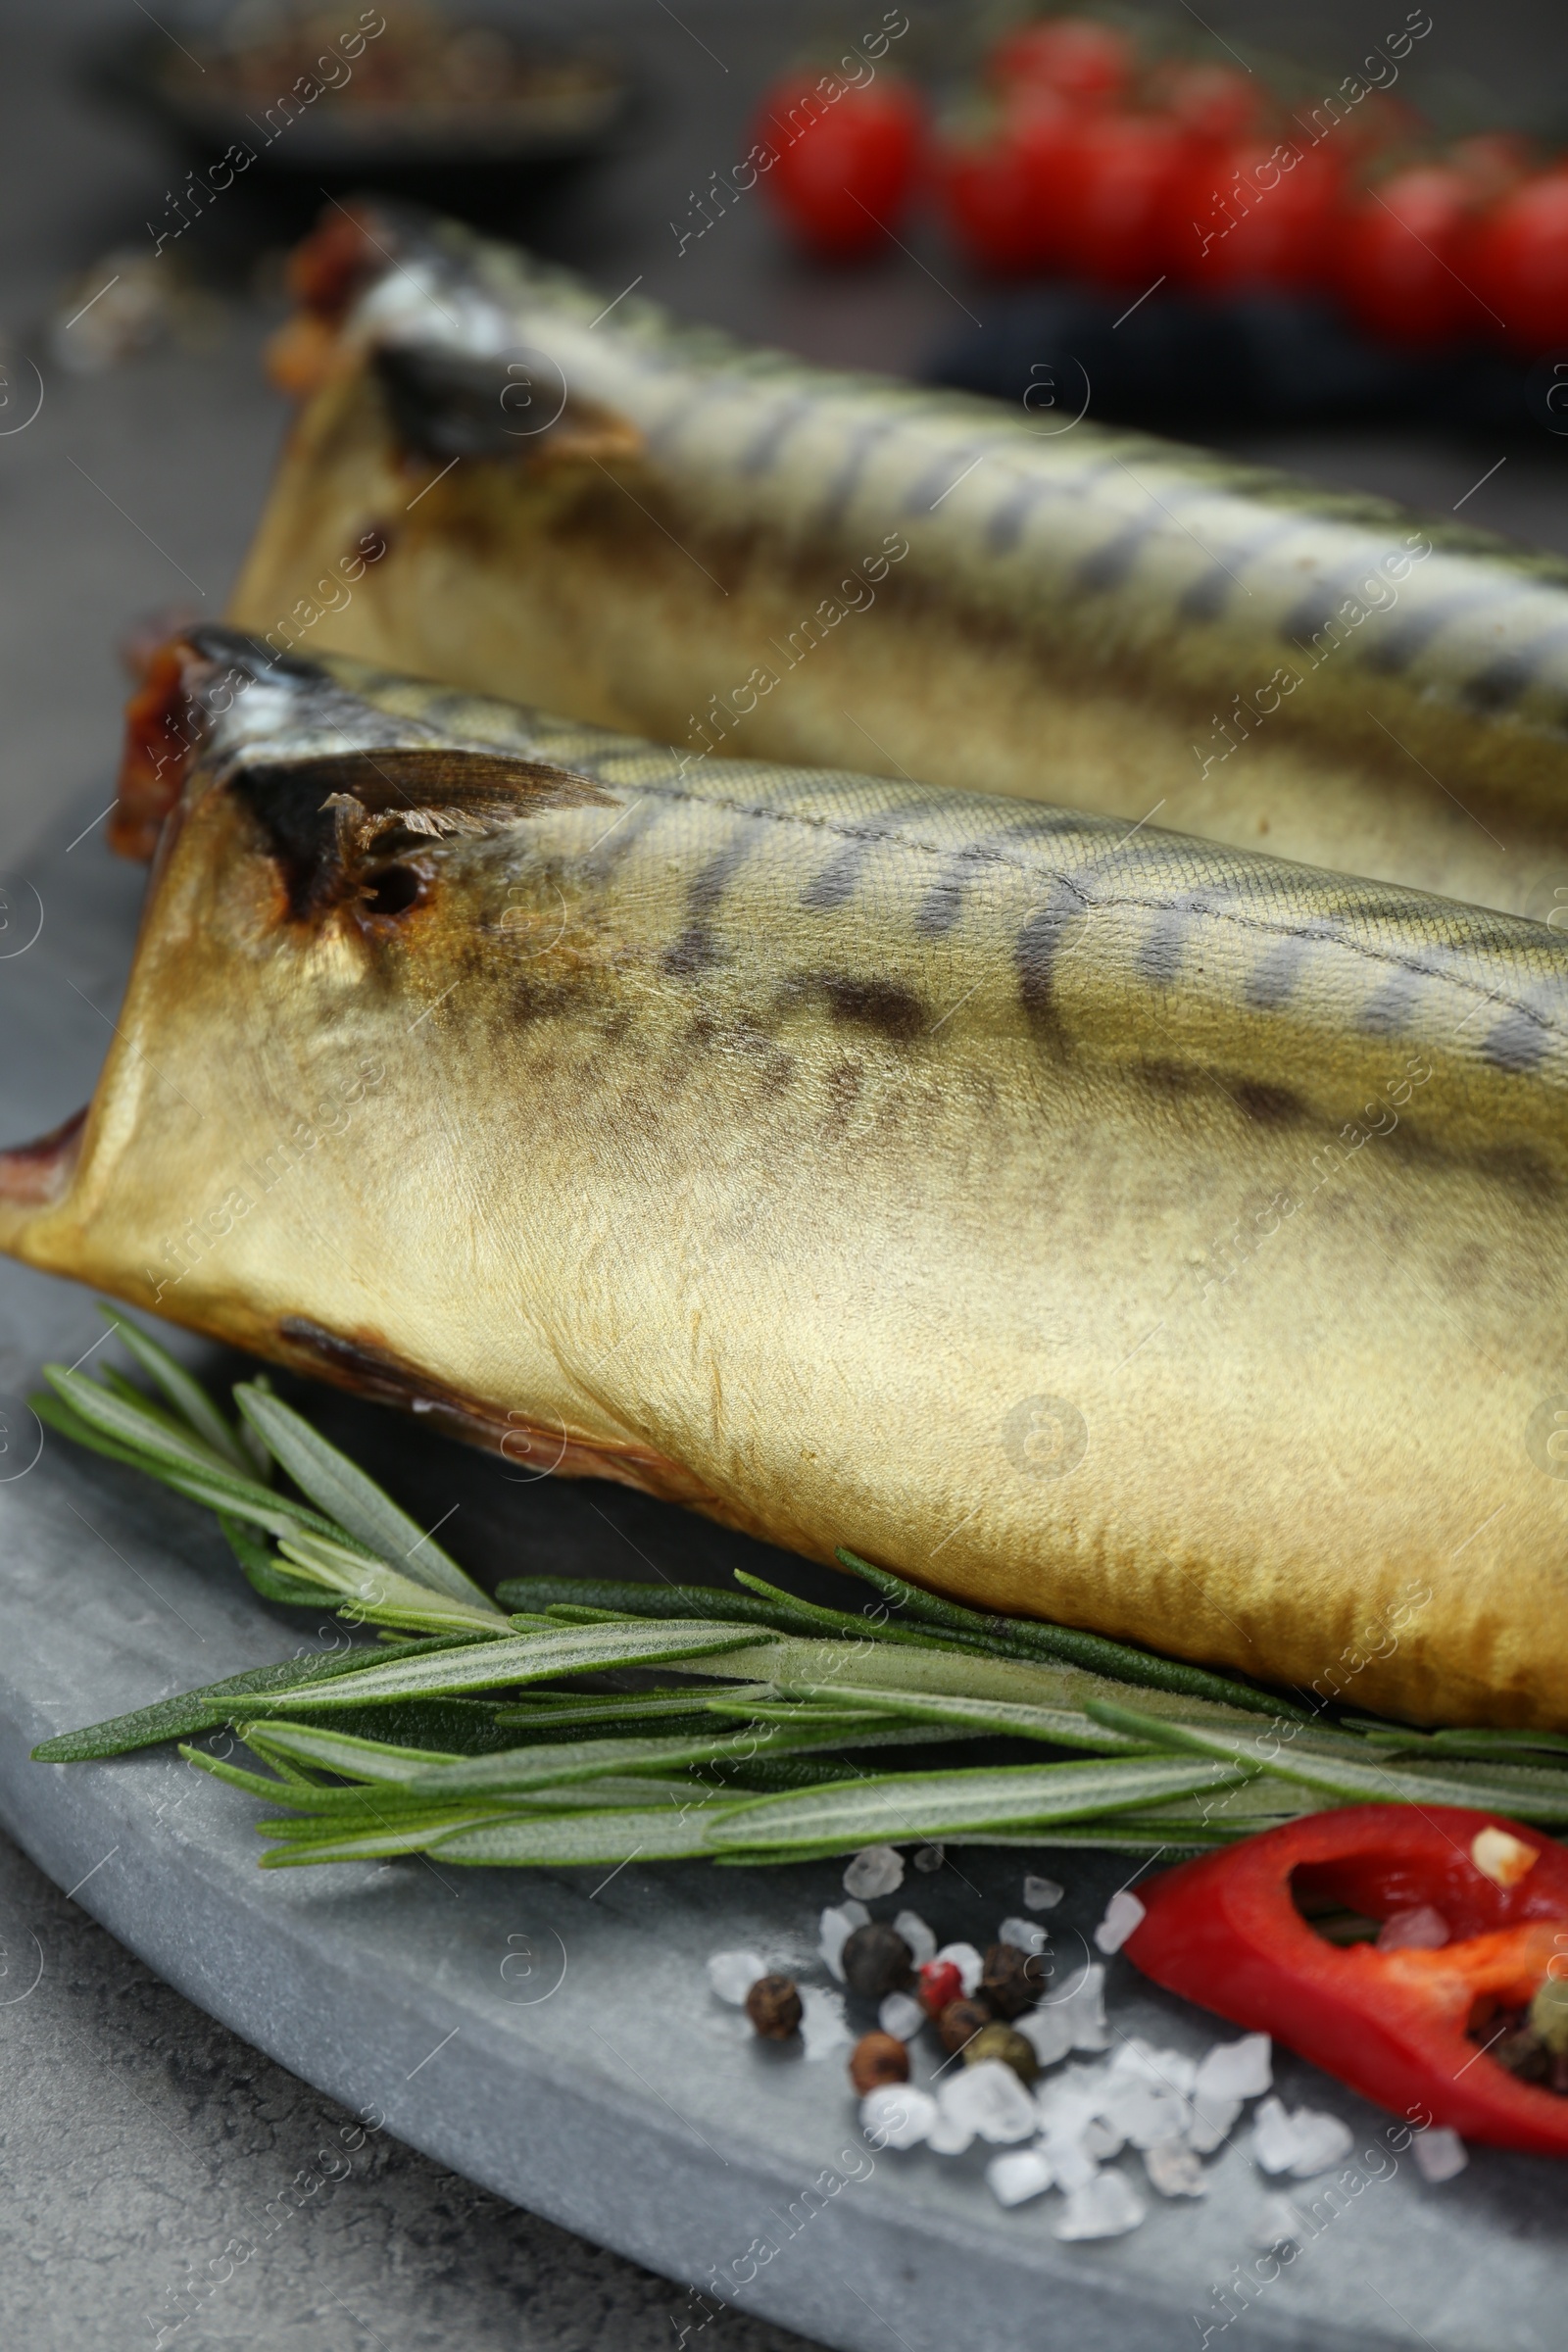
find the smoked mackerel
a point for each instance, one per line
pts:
(1075, 1217)
(650, 526)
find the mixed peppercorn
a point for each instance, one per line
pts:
(877, 1961)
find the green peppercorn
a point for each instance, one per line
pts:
(1002, 2042)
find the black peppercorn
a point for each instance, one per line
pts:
(1013, 1979)
(775, 2008)
(877, 1961)
(960, 2021)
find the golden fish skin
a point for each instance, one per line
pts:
(1078, 1219)
(705, 546)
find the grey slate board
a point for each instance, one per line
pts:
(551, 2038)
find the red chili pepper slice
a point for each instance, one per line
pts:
(1399, 2027)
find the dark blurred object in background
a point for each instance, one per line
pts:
(291, 100)
(1180, 364)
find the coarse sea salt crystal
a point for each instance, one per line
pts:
(732, 1975)
(874, 1870)
(1047, 2029)
(1234, 2070)
(917, 1935)
(930, 1857)
(1422, 1929)
(1070, 2159)
(901, 2017)
(1074, 2096)
(1301, 2144)
(949, 2136)
(1209, 2120)
(1105, 2207)
(822, 2027)
(1068, 2109)
(1101, 2140)
(1122, 1914)
(1073, 2019)
(1041, 1894)
(896, 2116)
(1174, 2169)
(1144, 2114)
(1276, 2223)
(1027, 1934)
(1165, 2070)
(1083, 2003)
(839, 1923)
(1018, 2176)
(1320, 2141)
(967, 1960)
(1439, 2153)
(989, 2098)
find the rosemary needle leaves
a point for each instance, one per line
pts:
(466, 1729)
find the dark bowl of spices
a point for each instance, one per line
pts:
(282, 101)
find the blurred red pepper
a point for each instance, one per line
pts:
(846, 166)
(1400, 254)
(1397, 2025)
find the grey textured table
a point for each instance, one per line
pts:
(137, 2137)
(133, 2127)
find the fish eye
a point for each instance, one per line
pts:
(391, 889)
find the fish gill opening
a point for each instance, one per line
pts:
(357, 826)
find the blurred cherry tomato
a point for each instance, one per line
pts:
(1009, 182)
(1380, 125)
(1399, 256)
(846, 166)
(991, 203)
(1493, 160)
(1074, 55)
(1252, 214)
(1517, 261)
(1122, 181)
(1212, 102)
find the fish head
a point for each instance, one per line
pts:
(283, 1127)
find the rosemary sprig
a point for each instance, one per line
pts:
(453, 1734)
(211, 1707)
(355, 1502)
(1032, 1638)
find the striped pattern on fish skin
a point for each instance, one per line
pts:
(1075, 1218)
(1074, 620)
